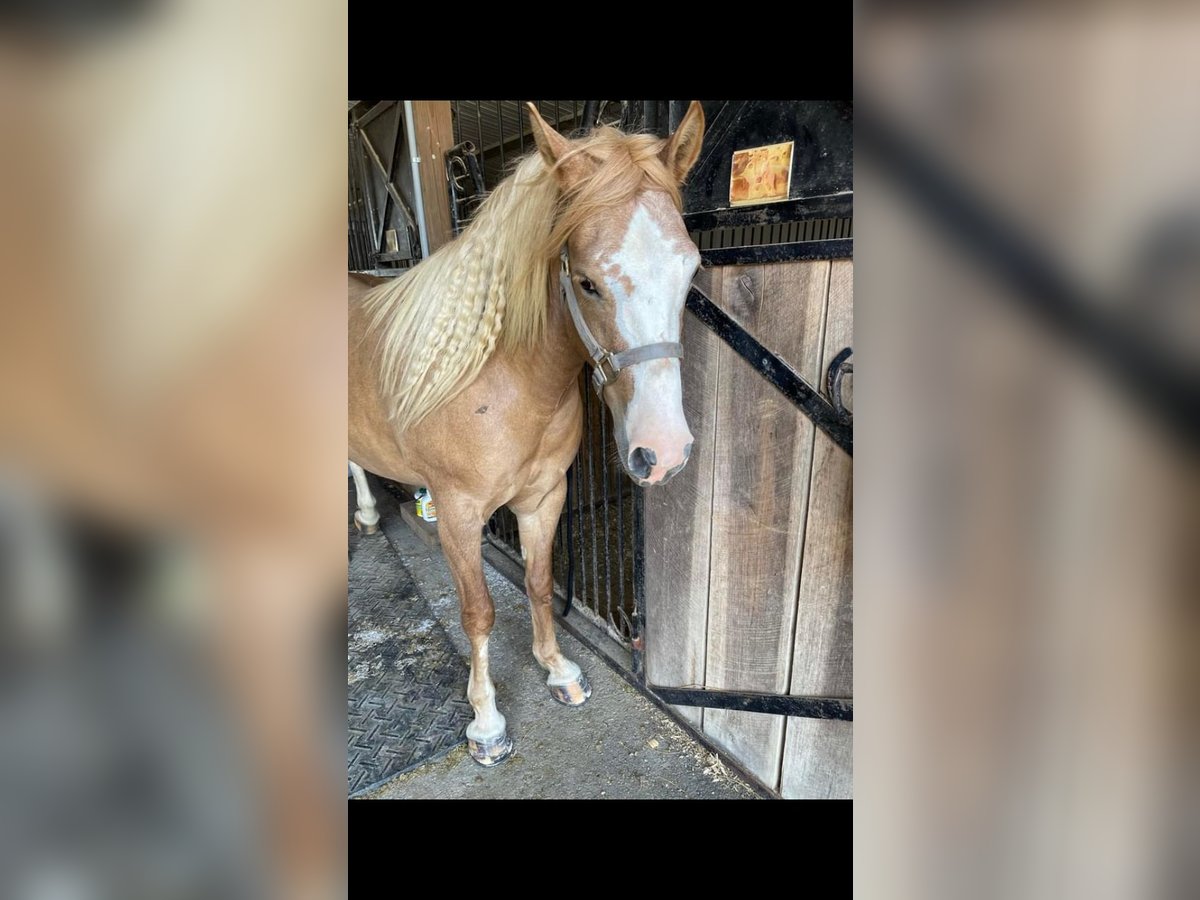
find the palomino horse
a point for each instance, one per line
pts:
(463, 371)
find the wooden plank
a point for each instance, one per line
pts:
(742, 304)
(426, 531)
(435, 135)
(818, 763)
(678, 522)
(816, 758)
(760, 492)
(822, 661)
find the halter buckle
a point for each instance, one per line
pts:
(600, 377)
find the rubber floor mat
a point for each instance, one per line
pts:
(406, 684)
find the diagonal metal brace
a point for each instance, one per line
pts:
(803, 395)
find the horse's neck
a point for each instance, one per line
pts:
(552, 367)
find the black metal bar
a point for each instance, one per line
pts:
(580, 502)
(621, 538)
(452, 189)
(594, 598)
(806, 398)
(607, 545)
(833, 206)
(476, 177)
(576, 467)
(746, 701)
(638, 638)
(589, 114)
(763, 254)
(479, 125)
(354, 253)
(353, 259)
(363, 226)
(570, 540)
(500, 124)
(359, 250)
(374, 112)
(676, 110)
(396, 131)
(365, 185)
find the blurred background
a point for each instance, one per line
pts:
(172, 431)
(1028, 320)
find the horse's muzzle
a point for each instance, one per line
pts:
(642, 465)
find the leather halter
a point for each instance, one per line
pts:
(607, 366)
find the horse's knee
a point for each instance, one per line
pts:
(539, 584)
(478, 619)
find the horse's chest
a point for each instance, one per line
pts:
(550, 450)
(555, 448)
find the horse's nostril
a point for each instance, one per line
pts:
(641, 460)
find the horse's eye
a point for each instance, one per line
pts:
(589, 287)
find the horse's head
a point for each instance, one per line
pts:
(630, 262)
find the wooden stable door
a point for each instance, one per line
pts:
(748, 550)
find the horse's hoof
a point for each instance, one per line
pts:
(573, 693)
(373, 528)
(490, 753)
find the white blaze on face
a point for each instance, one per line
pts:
(655, 264)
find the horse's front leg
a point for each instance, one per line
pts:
(537, 524)
(459, 530)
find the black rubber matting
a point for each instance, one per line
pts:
(406, 684)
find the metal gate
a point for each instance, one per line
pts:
(382, 230)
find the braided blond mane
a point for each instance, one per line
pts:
(438, 324)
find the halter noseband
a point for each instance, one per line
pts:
(608, 365)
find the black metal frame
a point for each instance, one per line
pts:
(369, 226)
(762, 254)
(462, 164)
(835, 206)
(747, 701)
(761, 222)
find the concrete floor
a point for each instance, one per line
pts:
(618, 745)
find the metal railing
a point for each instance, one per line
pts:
(599, 532)
(381, 223)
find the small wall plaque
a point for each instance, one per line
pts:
(761, 174)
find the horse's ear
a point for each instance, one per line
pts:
(552, 145)
(682, 149)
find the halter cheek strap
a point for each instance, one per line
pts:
(607, 366)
